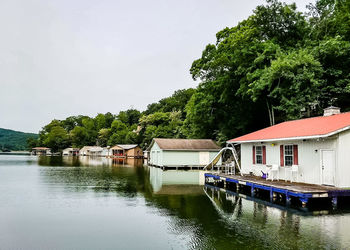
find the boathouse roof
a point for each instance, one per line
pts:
(316, 127)
(186, 144)
(92, 148)
(40, 148)
(125, 146)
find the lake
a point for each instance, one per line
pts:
(98, 203)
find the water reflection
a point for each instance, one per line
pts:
(175, 182)
(99, 174)
(280, 226)
(78, 161)
(120, 205)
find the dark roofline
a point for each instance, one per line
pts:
(183, 149)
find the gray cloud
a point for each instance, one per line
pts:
(64, 57)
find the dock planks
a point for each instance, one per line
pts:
(302, 191)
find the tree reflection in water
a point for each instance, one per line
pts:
(209, 217)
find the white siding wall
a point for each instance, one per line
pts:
(156, 155)
(343, 155)
(308, 154)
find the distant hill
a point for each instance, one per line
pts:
(14, 140)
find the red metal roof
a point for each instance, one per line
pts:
(311, 127)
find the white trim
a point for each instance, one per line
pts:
(194, 150)
(262, 155)
(335, 166)
(284, 154)
(295, 138)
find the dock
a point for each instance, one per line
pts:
(288, 191)
(218, 168)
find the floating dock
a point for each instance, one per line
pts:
(187, 167)
(287, 190)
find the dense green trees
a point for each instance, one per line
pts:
(162, 119)
(276, 65)
(14, 140)
(279, 64)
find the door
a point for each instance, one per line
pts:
(203, 158)
(328, 167)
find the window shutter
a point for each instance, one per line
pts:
(264, 154)
(281, 155)
(295, 153)
(253, 154)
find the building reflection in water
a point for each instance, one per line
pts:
(175, 181)
(213, 218)
(77, 161)
(289, 224)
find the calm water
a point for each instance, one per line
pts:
(67, 203)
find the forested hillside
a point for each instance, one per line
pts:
(11, 140)
(279, 64)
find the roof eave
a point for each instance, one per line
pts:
(185, 149)
(294, 138)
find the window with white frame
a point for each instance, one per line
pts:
(259, 155)
(288, 155)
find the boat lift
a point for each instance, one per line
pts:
(230, 168)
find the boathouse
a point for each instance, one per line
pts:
(127, 151)
(106, 151)
(70, 151)
(174, 153)
(313, 150)
(41, 151)
(91, 151)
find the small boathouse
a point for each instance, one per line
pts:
(182, 153)
(313, 150)
(41, 151)
(127, 151)
(70, 151)
(303, 160)
(91, 151)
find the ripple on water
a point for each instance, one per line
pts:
(52, 203)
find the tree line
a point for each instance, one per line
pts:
(11, 140)
(278, 64)
(162, 119)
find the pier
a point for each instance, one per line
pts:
(287, 191)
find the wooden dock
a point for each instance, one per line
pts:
(301, 191)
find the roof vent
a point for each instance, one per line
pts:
(331, 111)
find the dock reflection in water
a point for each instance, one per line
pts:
(282, 225)
(98, 203)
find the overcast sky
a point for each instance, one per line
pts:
(68, 57)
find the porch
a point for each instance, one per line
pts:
(118, 153)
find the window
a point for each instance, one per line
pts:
(288, 155)
(259, 155)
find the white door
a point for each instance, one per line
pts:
(203, 158)
(328, 167)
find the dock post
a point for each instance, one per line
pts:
(252, 191)
(334, 202)
(271, 195)
(304, 201)
(288, 199)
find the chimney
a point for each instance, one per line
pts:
(331, 111)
